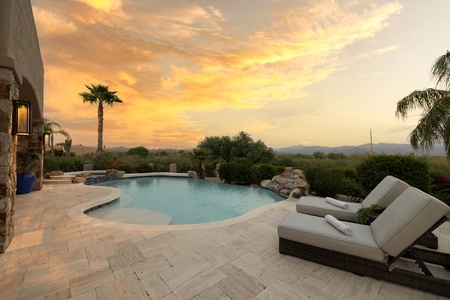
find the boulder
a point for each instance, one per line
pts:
(291, 183)
(192, 174)
(56, 173)
(78, 179)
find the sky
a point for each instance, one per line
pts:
(313, 73)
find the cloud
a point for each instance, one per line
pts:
(169, 60)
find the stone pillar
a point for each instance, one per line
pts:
(34, 144)
(173, 168)
(8, 92)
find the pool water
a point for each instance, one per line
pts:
(187, 200)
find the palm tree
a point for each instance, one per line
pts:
(434, 126)
(100, 94)
(50, 131)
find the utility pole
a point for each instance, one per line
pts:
(371, 147)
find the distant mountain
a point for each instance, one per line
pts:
(380, 148)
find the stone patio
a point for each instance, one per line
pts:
(54, 257)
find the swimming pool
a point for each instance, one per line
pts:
(184, 200)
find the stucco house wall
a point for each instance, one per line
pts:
(21, 78)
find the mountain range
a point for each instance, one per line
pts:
(381, 148)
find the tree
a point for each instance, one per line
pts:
(50, 131)
(199, 156)
(434, 126)
(99, 95)
(139, 151)
(239, 146)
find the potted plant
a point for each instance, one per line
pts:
(25, 178)
(368, 214)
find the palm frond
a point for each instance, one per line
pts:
(440, 70)
(433, 126)
(424, 99)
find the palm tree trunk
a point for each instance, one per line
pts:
(100, 136)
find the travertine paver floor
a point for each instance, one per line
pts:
(55, 257)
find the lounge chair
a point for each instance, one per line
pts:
(383, 194)
(373, 249)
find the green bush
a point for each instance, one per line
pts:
(263, 172)
(239, 172)
(323, 181)
(209, 170)
(413, 170)
(225, 172)
(64, 163)
(350, 187)
(144, 168)
(139, 151)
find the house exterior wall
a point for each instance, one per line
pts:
(21, 78)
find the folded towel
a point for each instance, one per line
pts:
(339, 225)
(340, 204)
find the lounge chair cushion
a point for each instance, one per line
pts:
(317, 206)
(385, 192)
(316, 231)
(406, 219)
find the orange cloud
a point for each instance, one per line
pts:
(170, 60)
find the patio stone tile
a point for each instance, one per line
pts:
(398, 292)
(280, 290)
(195, 280)
(238, 284)
(321, 276)
(155, 287)
(89, 295)
(84, 282)
(43, 285)
(125, 288)
(181, 264)
(215, 253)
(55, 257)
(150, 266)
(212, 293)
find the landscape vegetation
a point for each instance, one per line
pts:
(241, 160)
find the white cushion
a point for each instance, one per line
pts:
(316, 231)
(385, 192)
(317, 206)
(406, 219)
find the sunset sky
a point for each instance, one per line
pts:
(316, 72)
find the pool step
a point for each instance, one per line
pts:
(63, 179)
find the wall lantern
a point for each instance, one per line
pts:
(21, 118)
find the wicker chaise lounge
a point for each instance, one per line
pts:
(383, 194)
(373, 249)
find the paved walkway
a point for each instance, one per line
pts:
(53, 256)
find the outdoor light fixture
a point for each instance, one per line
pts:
(21, 118)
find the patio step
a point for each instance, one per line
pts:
(63, 179)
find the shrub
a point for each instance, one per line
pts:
(238, 172)
(64, 163)
(139, 151)
(411, 169)
(263, 172)
(351, 187)
(225, 172)
(324, 181)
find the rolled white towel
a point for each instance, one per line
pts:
(339, 225)
(340, 204)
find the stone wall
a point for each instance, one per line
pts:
(34, 144)
(8, 92)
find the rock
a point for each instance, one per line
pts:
(56, 173)
(265, 183)
(291, 183)
(192, 174)
(120, 174)
(78, 179)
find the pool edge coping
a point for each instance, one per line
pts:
(77, 213)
